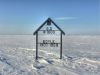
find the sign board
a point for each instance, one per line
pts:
(48, 30)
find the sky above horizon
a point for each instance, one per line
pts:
(73, 16)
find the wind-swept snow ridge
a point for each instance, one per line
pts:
(27, 65)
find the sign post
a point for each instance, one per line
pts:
(47, 29)
(37, 46)
(61, 45)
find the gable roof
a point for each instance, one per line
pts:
(49, 19)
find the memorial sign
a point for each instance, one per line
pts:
(49, 28)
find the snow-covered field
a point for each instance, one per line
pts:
(81, 56)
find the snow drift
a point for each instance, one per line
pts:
(17, 57)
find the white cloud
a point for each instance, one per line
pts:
(65, 18)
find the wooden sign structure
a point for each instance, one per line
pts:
(49, 30)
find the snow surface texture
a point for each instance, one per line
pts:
(81, 56)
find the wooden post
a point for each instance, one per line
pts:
(61, 45)
(36, 45)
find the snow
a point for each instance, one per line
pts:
(81, 56)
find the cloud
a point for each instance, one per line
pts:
(65, 18)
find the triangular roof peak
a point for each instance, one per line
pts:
(49, 19)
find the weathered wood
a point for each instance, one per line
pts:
(61, 45)
(36, 45)
(50, 43)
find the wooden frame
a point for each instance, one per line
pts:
(61, 33)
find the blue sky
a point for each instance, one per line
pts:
(73, 16)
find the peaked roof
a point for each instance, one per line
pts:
(49, 19)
